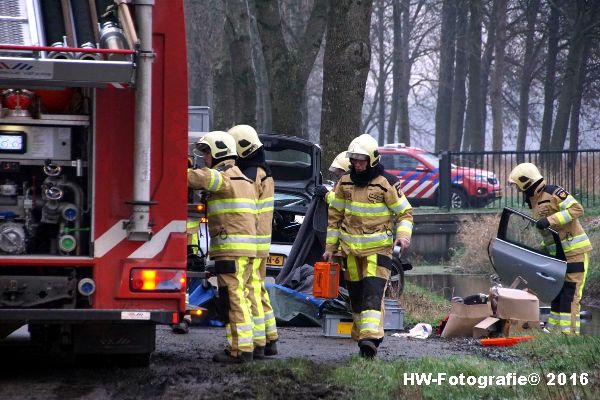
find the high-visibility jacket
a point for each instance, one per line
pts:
(265, 190)
(363, 219)
(562, 211)
(231, 209)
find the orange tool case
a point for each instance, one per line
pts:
(326, 280)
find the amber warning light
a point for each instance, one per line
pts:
(157, 280)
(200, 207)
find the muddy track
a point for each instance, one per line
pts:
(181, 368)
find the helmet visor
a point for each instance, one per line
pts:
(200, 149)
(357, 156)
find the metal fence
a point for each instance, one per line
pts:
(576, 171)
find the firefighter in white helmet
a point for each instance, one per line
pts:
(368, 210)
(252, 163)
(554, 208)
(231, 215)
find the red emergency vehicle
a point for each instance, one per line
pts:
(419, 175)
(93, 146)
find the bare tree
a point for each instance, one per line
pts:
(529, 57)
(446, 75)
(474, 134)
(457, 116)
(396, 71)
(289, 67)
(406, 66)
(345, 69)
(497, 77)
(382, 74)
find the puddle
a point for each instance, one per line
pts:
(441, 281)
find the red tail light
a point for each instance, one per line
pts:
(157, 280)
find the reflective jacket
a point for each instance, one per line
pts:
(265, 190)
(231, 209)
(362, 219)
(562, 211)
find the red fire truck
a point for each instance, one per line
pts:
(93, 146)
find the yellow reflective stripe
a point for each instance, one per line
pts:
(333, 236)
(372, 265)
(401, 206)
(352, 268)
(576, 242)
(329, 198)
(233, 246)
(404, 227)
(236, 205)
(367, 209)
(192, 224)
(265, 205)
(363, 242)
(563, 217)
(338, 204)
(566, 203)
(585, 271)
(215, 181)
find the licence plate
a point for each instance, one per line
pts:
(274, 259)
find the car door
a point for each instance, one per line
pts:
(517, 251)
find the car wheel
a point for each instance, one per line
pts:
(458, 199)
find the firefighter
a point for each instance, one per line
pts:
(339, 166)
(555, 208)
(252, 163)
(231, 211)
(367, 210)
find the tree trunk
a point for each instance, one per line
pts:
(345, 70)
(242, 68)
(497, 77)
(531, 12)
(486, 63)
(381, 78)
(460, 74)
(263, 101)
(406, 63)
(576, 108)
(224, 92)
(570, 76)
(474, 134)
(396, 71)
(550, 79)
(288, 69)
(446, 75)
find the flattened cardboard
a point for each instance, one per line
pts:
(485, 327)
(515, 304)
(463, 318)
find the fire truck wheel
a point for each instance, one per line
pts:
(458, 199)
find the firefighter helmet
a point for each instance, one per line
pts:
(364, 147)
(340, 162)
(220, 144)
(246, 139)
(524, 175)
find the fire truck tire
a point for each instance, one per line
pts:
(458, 198)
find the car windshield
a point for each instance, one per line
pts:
(288, 200)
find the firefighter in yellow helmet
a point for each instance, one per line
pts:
(339, 166)
(252, 163)
(368, 210)
(231, 214)
(555, 208)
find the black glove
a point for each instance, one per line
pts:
(321, 191)
(542, 223)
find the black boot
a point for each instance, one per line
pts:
(368, 348)
(226, 358)
(259, 352)
(271, 348)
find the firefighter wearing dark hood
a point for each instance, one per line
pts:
(231, 211)
(367, 212)
(553, 207)
(252, 163)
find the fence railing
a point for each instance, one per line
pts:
(477, 176)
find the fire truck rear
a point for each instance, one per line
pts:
(93, 145)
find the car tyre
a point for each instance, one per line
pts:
(458, 199)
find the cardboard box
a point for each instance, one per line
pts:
(463, 318)
(512, 327)
(486, 327)
(514, 304)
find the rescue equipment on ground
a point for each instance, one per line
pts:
(326, 280)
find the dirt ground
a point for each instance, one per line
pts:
(181, 368)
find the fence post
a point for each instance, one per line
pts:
(444, 188)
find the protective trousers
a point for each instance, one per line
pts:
(263, 324)
(565, 308)
(366, 279)
(232, 273)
